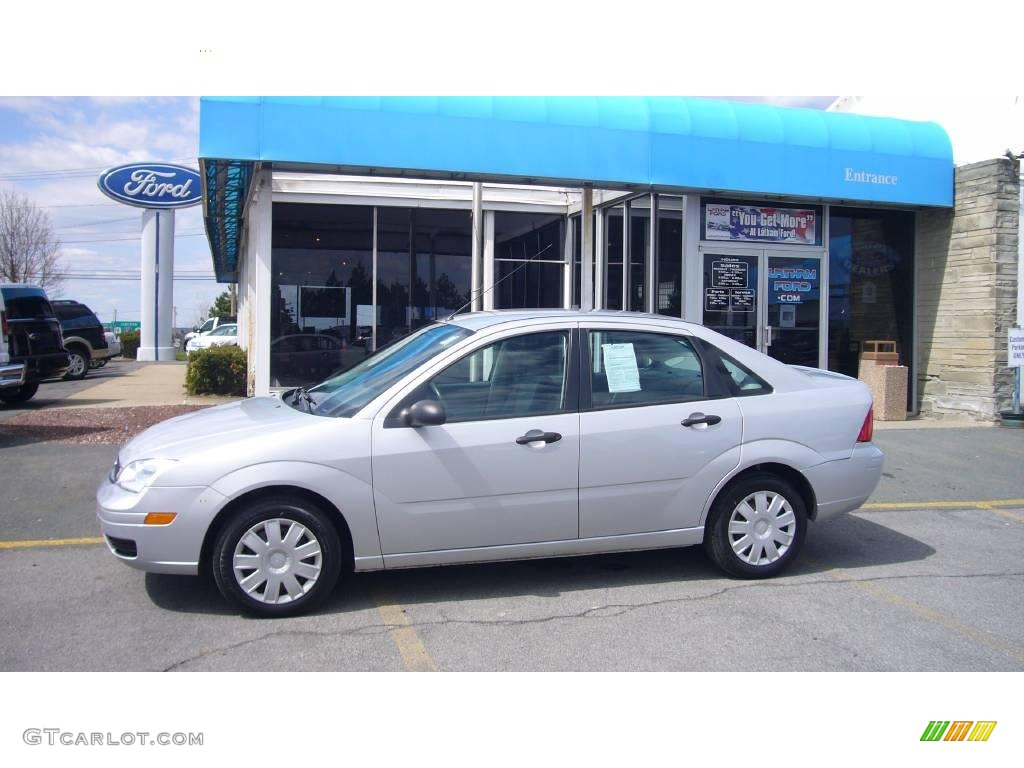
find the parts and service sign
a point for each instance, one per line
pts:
(152, 185)
(761, 224)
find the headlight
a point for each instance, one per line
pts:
(140, 474)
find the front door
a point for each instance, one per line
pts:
(479, 480)
(766, 299)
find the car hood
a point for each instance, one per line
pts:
(213, 429)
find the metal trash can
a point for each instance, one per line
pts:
(880, 369)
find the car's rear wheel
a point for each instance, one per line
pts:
(279, 557)
(78, 363)
(756, 527)
(21, 394)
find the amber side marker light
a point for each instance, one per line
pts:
(160, 518)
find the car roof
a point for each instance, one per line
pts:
(476, 321)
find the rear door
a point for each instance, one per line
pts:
(655, 438)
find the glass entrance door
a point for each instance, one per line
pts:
(792, 321)
(769, 300)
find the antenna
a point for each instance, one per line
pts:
(499, 282)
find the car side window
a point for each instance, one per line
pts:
(636, 368)
(734, 379)
(515, 377)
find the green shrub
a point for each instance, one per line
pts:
(129, 344)
(216, 371)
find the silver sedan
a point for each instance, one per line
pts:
(498, 436)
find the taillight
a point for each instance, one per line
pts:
(867, 430)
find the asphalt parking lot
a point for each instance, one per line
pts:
(927, 577)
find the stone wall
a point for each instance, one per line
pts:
(967, 293)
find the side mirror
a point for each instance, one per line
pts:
(425, 413)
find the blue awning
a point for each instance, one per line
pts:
(663, 143)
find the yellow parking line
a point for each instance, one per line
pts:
(929, 614)
(401, 631)
(33, 543)
(986, 504)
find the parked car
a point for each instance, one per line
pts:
(496, 436)
(84, 337)
(34, 339)
(12, 375)
(113, 344)
(224, 335)
(211, 324)
(305, 357)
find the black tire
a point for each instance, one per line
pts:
(21, 394)
(78, 363)
(719, 542)
(317, 525)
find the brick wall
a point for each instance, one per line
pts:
(967, 293)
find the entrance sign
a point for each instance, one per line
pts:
(744, 223)
(1016, 348)
(729, 273)
(152, 185)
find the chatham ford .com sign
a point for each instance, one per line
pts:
(152, 185)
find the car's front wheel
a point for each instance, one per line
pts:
(756, 527)
(279, 557)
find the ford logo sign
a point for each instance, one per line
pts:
(152, 185)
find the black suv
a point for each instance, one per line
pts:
(34, 339)
(84, 338)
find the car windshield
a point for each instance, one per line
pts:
(343, 395)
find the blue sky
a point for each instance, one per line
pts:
(54, 148)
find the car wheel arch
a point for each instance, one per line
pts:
(790, 474)
(334, 515)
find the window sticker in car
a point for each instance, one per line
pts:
(620, 368)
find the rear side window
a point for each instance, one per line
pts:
(632, 368)
(733, 378)
(75, 316)
(27, 304)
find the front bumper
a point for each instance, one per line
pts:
(12, 375)
(843, 485)
(173, 548)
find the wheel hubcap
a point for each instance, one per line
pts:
(77, 364)
(277, 561)
(762, 528)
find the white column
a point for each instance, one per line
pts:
(156, 340)
(568, 251)
(488, 270)
(260, 223)
(587, 252)
(476, 283)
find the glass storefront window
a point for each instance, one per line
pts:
(613, 224)
(871, 284)
(669, 300)
(639, 238)
(322, 267)
(529, 260)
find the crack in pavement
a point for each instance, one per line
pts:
(611, 610)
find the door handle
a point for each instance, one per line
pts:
(536, 435)
(768, 333)
(700, 418)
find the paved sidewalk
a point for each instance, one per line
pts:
(152, 384)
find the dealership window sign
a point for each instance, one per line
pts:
(747, 223)
(159, 189)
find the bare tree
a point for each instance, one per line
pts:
(29, 248)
